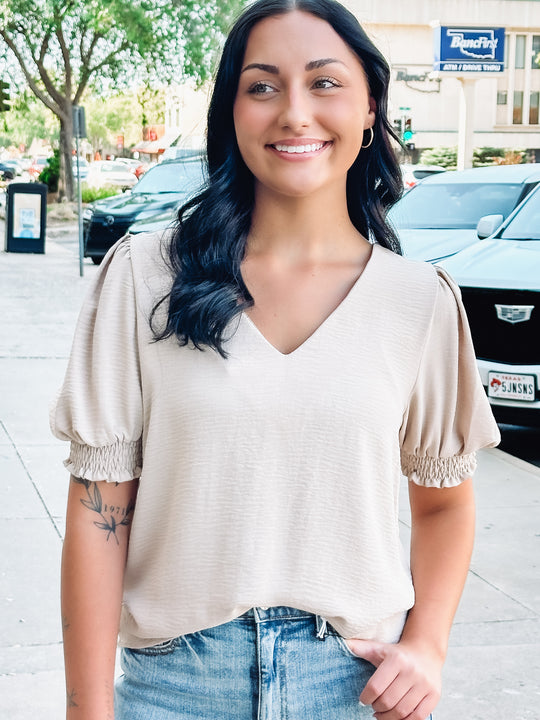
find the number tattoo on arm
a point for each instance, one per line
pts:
(112, 516)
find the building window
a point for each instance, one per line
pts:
(535, 55)
(533, 108)
(520, 52)
(502, 97)
(517, 117)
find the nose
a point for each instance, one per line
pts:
(295, 111)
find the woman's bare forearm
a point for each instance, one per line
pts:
(441, 547)
(93, 561)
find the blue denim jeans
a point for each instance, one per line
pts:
(270, 664)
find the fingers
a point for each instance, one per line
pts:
(405, 685)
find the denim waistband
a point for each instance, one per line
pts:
(277, 612)
(282, 612)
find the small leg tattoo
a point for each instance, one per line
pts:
(71, 699)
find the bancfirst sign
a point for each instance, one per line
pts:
(468, 50)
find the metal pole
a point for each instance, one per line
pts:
(466, 122)
(79, 208)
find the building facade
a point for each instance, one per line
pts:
(506, 107)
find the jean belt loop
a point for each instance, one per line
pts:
(322, 630)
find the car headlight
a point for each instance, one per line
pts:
(87, 213)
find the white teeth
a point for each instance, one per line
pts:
(299, 148)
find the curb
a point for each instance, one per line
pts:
(516, 462)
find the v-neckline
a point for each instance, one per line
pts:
(359, 282)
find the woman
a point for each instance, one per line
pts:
(239, 399)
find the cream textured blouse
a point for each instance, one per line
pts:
(270, 479)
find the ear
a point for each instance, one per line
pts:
(370, 119)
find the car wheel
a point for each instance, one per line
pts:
(96, 260)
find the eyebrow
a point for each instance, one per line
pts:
(274, 70)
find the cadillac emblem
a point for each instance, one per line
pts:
(514, 313)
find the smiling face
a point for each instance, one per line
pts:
(302, 106)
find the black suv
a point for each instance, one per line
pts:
(163, 188)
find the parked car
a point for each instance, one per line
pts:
(6, 172)
(412, 174)
(15, 165)
(499, 279)
(163, 188)
(439, 216)
(110, 172)
(136, 166)
(84, 167)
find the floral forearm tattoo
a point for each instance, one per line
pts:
(111, 516)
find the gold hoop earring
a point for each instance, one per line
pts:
(370, 139)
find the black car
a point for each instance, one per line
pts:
(163, 188)
(6, 172)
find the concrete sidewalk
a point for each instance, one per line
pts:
(493, 668)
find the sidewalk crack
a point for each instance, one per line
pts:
(36, 489)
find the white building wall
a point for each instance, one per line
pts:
(185, 111)
(402, 30)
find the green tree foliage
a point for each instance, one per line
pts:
(27, 119)
(64, 47)
(51, 172)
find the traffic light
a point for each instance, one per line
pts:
(407, 131)
(5, 104)
(398, 126)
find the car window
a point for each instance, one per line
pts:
(421, 174)
(171, 177)
(526, 223)
(453, 205)
(114, 167)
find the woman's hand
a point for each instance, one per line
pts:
(407, 682)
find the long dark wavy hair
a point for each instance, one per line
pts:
(209, 240)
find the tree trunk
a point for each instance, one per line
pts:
(67, 184)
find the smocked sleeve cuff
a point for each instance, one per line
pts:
(119, 462)
(438, 472)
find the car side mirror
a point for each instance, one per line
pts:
(487, 225)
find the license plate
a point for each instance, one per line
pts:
(507, 386)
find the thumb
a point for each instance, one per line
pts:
(369, 650)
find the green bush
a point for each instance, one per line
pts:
(482, 157)
(445, 157)
(90, 193)
(486, 156)
(51, 172)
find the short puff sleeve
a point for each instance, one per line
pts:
(99, 406)
(448, 416)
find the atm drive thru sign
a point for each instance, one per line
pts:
(468, 50)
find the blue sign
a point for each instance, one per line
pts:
(469, 50)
